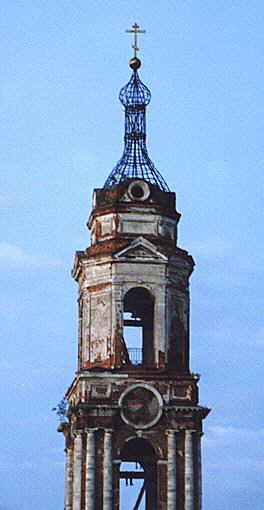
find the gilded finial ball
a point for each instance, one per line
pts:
(135, 63)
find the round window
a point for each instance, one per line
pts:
(138, 190)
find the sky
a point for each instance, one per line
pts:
(61, 68)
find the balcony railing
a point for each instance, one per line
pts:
(135, 355)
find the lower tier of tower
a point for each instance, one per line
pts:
(172, 469)
(154, 423)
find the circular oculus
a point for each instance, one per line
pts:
(138, 190)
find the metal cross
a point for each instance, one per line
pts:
(135, 30)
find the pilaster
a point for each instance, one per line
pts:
(172, 470)
(77, 472)
(199, 469)
(68, 479)
(108, 471)
(90, 496)
(189, 472)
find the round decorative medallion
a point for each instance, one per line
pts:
(141, 406)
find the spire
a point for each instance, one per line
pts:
(135, 162)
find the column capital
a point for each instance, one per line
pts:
(77, 434)
(172, 431)
(86, 430)
(68, 448)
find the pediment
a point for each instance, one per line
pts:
(140, 249)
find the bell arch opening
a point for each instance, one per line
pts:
(138, 476)
(138, 321)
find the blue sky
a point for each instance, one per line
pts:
(62, 65)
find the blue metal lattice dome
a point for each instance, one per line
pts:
(135, 162)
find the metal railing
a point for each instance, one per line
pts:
(135, 355)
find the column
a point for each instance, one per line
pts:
(171, 471)
(90, 471)
(199, 468)
(108, 472)
(189, 481)
(77, 472)
(68, 479)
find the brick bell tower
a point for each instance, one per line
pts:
(134, 399)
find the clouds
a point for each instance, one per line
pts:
(225, 436)
(15, 258)
(210, 248)
(233, 467)
(235, 450)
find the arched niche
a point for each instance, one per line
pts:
(138, 316)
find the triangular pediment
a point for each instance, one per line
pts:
(140, 249)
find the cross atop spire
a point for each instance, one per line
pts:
(135, 162)
(135, 30)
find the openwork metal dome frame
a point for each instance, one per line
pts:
(135, 162)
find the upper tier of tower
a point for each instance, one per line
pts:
(134, 275)
(131, 208)
(135, 200)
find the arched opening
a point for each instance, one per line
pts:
(138, 325)
(139, 472)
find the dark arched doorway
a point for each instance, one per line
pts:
(141, 453)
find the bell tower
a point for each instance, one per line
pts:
(134, 399)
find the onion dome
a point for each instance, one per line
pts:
(135, 93)
(135, 162)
